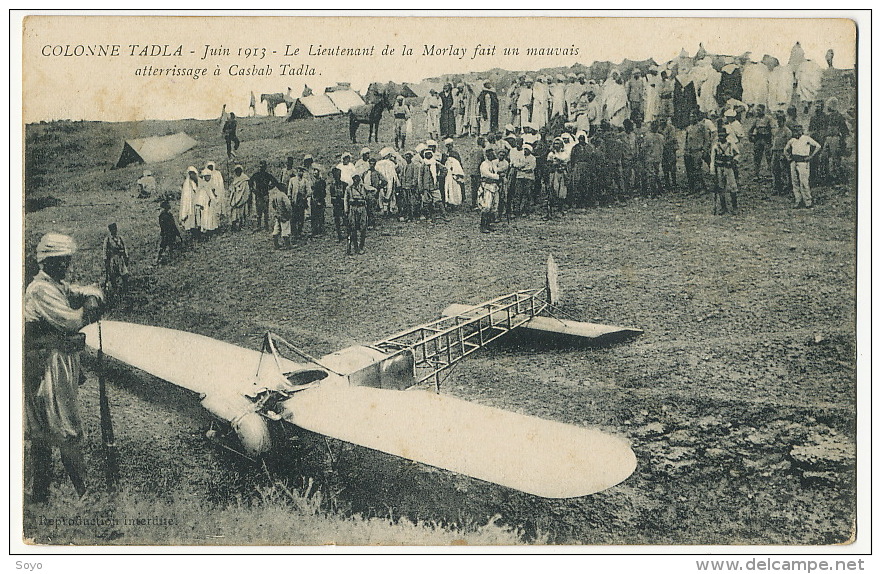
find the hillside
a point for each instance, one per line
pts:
(748, 356)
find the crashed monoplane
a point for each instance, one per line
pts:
(376, 395)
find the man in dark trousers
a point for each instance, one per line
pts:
(169, 234)
(261, 183)
(356, 214)
(229, 134)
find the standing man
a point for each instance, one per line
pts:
(169, 235)
(261, 183)
(54, 312)
(229, 135)
(447, 112)
(760, 136)
(636, 95)
(299, 190)
(188, 213)
(401, 113)
(696, 140)
(356, 214)
(430, 174)
(281, 214)
(319, 198)
(671, 147)
(375, 184)
(524, 181)
(800, 150)
(239, 197)
(653, 156)
(342, 174)
(116, 262)
(779, 164)
(252, 106)
(725, 153)
(489, 190)
(431, 106)
(408, 195)
(488, 109)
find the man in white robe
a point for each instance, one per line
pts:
(524, 102)
(540, 103)
(188, 216)
(219, 189)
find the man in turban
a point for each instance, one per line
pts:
(54, 312)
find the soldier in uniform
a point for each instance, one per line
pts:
(261, 183)
(54, 312)
(356, 215)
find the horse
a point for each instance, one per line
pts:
(273, 100)
(369, 114)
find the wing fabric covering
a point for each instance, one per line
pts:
(533, 455)
(195, 362)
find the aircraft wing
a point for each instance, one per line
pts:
(195, 362)
(526, 453)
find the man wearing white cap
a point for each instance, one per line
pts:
(431, 175)
(401, 113)
(736, 133)
(489, 191)
(363, 163)
(431, 106)
(54, 312)
(342, 176)
(524, 179)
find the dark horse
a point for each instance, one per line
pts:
(369, 114)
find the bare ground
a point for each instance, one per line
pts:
(739, 399)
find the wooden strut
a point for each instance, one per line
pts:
(441, 344)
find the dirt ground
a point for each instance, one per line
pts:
(739, 399)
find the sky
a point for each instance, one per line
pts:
(106, 87)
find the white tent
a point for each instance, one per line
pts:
(345, 100)
(155, 149)
(314, 106)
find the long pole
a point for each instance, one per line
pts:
(110, 453)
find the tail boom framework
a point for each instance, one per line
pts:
(438, 345)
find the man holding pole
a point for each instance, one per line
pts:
(54, 312)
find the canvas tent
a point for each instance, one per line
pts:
(345, 100)
(407, 91)
(314, 106)
(155, 149)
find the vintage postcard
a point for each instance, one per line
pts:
(381, 279)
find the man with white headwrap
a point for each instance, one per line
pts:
(54, 312)
(558, 97)
(389, 170)
(524, 102)
(188, 191)
(206, 204)
(615, 103)
(541, 101)
(222, 207)
(239, 197)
